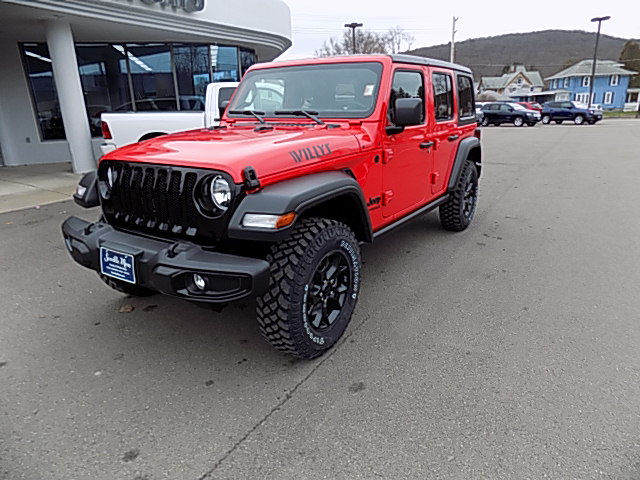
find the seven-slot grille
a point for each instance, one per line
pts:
(156, 198)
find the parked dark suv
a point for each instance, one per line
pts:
(561, 111)
(496, 113)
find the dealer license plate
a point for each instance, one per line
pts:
(117, 265)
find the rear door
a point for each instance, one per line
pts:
(444, 130)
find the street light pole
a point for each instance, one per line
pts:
(353, 27)
(595, 57)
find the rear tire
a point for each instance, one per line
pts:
(546, 119)
(313, 290)
(126, 288)
(456, 214)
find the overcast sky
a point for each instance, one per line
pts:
(314, 21)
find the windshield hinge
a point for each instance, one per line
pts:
(251, 181)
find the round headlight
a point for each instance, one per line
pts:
(220, 192)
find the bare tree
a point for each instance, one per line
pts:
(366, 42)
(396, 37)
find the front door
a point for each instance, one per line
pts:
(406, 160)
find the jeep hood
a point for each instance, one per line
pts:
(268, 151)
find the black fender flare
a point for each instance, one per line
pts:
(88, 198)
(467, 148)
(317, 193)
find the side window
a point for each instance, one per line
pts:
(442, 96)
(465, 97)
(406, 84)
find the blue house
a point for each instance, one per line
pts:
(609, 89)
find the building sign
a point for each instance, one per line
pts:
(186, 5)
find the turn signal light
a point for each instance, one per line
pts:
(271, 222)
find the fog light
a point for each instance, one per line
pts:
(199, 282)
(81, 190)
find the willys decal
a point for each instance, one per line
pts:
(309, 153)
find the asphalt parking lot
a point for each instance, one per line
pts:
(508, 351)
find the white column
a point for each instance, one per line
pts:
(69, 88)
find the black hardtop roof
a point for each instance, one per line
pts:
(431, 62)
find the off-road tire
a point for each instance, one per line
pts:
(546, 119)
(518, 121)
(126, 288)
(456, 214)
(578, 120)
(285, 317)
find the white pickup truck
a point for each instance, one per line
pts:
(123, 128)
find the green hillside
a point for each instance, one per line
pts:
(548, 51)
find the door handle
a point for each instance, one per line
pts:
(426, 145)
(453, 138)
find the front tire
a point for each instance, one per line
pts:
(485, 122)
(313, 290)
(518, 121)
(456, 214)
(579, 120)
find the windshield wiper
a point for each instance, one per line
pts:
(307, 113)
(255, 113)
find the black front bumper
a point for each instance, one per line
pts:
(168, 266)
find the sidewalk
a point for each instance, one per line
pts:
(34, 185)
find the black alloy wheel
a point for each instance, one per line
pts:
(328, 290)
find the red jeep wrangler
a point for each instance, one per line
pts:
(312, 158)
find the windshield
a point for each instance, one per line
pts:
(339, 90)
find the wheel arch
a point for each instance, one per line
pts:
(150, 135)
(333, 195)
(469, 149)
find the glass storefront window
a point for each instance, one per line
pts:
(192, 74)
(247, 58)
(43, 90)
(103, 73)
(224, 64)
(152, 77)
(166, 77)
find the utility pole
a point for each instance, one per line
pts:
(353, 27)
(452, 52)
(595, 57)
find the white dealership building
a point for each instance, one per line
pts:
(64, 62)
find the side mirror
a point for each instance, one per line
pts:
(408, 111)
(223, 107)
